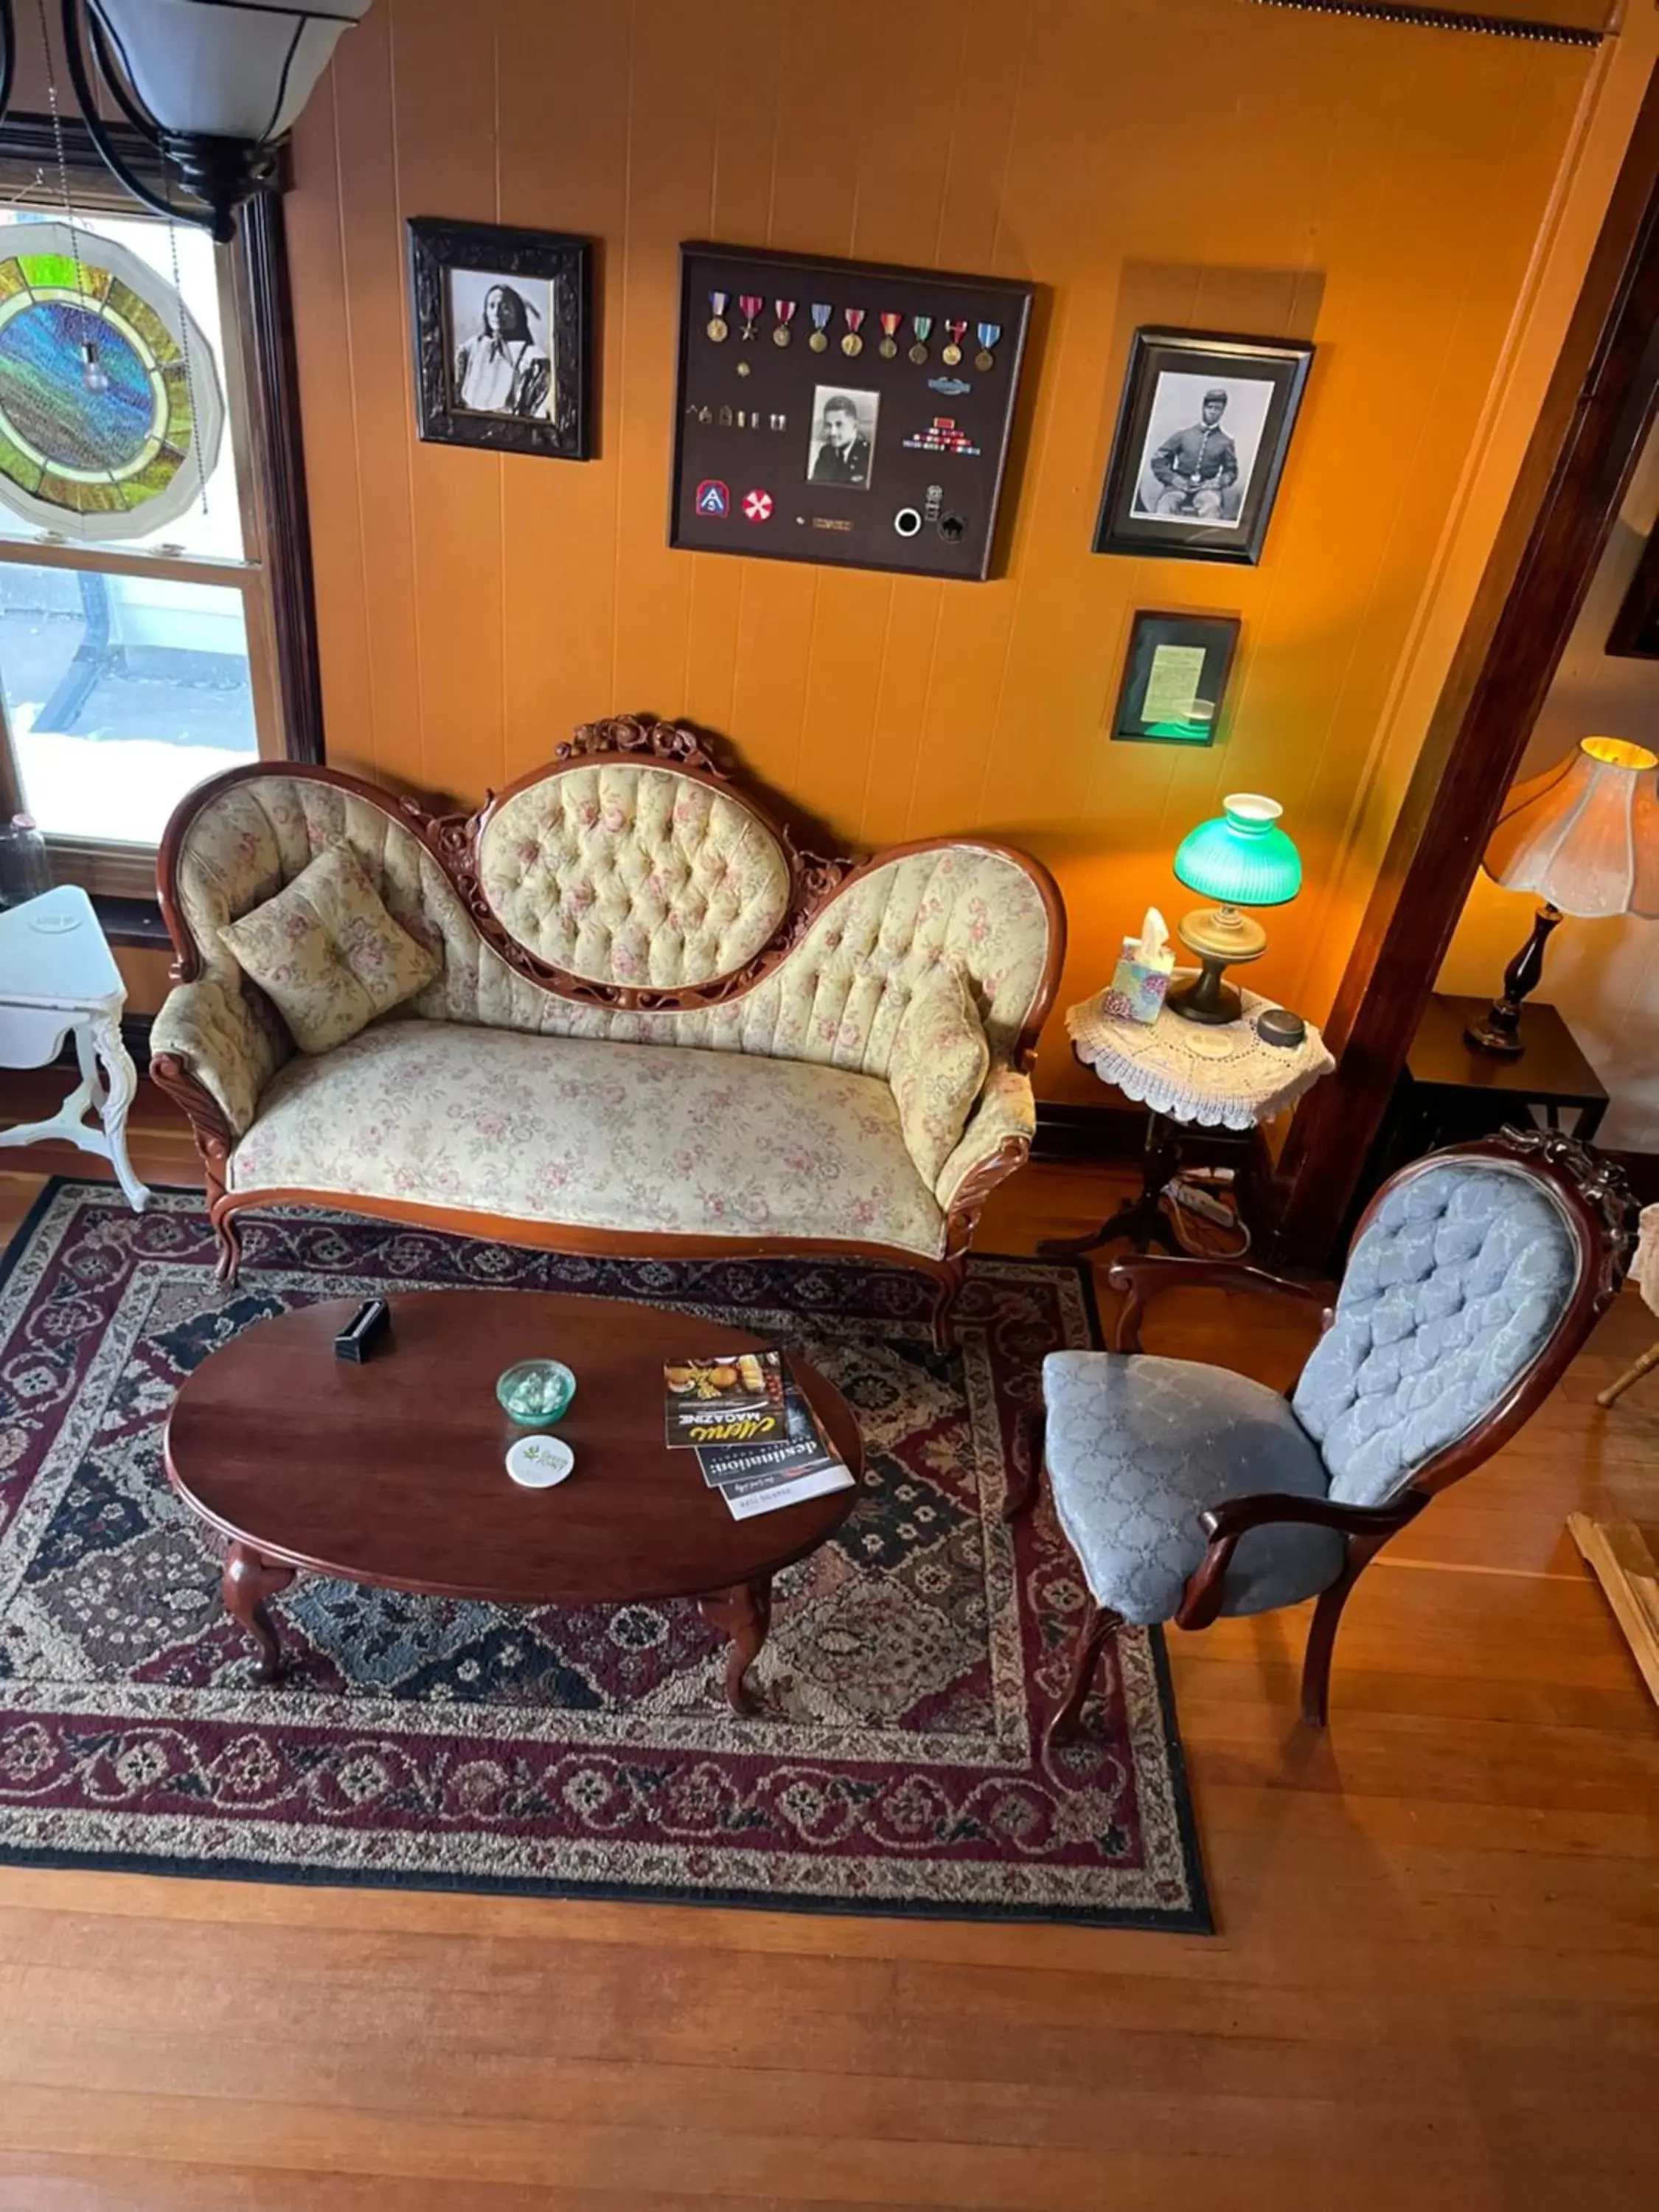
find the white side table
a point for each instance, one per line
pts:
(1208, 1076)
(57, 973)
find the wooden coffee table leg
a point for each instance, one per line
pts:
(249, 1581)
(745, 1614)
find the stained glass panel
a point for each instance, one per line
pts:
(110, 406)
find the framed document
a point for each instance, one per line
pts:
(1175, 677)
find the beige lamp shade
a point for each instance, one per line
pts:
(1585, 835)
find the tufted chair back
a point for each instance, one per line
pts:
(1455, 1287)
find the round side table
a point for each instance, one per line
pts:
(1185, 1073)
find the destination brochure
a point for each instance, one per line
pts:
(733, 1398)
(765, 1476)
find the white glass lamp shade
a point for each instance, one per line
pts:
(1585, 835)
(225, 68)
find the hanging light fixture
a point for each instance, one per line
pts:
(210, 85)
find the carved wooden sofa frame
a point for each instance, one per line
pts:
(816, 882)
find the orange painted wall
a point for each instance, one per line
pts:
(1200, 163)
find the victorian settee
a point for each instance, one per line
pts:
(651, 1022)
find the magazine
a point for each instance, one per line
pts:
(731, 1398)
(761, 1478)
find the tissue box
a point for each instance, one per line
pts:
(1138, 987)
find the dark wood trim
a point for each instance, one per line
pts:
(1087, 1134)
(1447, 19)
(1635, 631)
(131, 921)
(1641, 1171)
(1594, 421)
(135, 1035)
(279, 450)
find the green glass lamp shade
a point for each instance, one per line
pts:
(1242, 858)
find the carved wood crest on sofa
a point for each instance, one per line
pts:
(630, 895)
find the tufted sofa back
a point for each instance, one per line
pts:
(635, 874)
(627, 874)
(1452, 1291)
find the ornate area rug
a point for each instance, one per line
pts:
(895, 1764)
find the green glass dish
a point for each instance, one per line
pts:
(535, 1393)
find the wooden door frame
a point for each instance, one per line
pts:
(1590, 432)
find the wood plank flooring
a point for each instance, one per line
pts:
(1436, 1984)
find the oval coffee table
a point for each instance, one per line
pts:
(391, 1473)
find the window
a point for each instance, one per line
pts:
(135, 660)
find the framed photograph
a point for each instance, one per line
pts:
(1203, 429)
(1174, 678)
(845, 413)
(1635, 632)
(502, 338)
(843, 445)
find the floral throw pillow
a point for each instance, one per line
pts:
(328, 954)
(939, 1065)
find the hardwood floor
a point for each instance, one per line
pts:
(1435, 1983)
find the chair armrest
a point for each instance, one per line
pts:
(223, 1038)
(1140, 1277)
(1005, 1116)
(1224, 1524)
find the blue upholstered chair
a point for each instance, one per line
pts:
(1186, 1491)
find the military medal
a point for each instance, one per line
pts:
(889, 347)
(821, 314)
(853, 343)
(717, 328)
(988, 335)
(952, 353)
(922, 325)
(786, 316)
(749, 306)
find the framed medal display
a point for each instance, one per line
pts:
(843, 412)
(1203, 429)
(503, 341)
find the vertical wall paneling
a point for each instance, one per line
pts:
(1378, 189)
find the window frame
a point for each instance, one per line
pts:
(275, 575)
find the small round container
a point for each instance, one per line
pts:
(1279, 1025)
(535, 1393)
(539, 1462)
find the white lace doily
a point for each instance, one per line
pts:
(1220, 1077)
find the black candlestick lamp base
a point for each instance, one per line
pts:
(1499, 1033)
(1207, 998)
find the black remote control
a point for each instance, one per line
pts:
(363, 1331)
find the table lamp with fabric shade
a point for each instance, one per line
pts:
(1584, 838)
(1242, 858)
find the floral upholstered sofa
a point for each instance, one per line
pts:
(623, 1012)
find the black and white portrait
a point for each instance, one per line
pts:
(503, 338)
(843, 450)
(1203, 435)
(1204, 425)
(502, 353)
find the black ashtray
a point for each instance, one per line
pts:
(1279, 1025)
